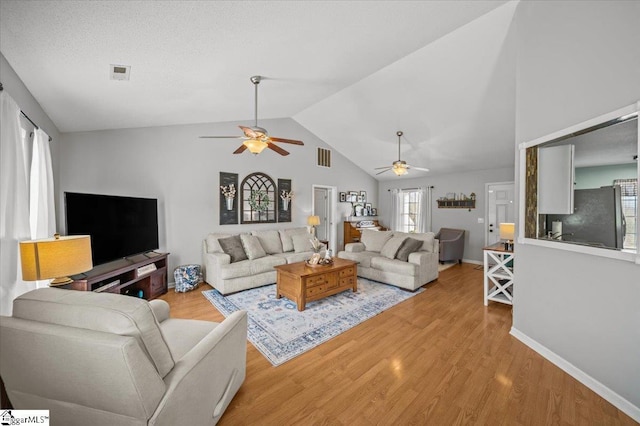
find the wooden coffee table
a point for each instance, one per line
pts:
(302, 283)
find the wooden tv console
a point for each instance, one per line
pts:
(127, 276)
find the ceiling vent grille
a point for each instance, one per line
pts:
(324, 157)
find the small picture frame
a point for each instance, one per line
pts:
(363, 197)
(352, 197)
(374, 212)
(367, 206)
(343, 197)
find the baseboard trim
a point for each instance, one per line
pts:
(616, 400)
(475, 262)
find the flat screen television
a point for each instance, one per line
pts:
(119, 226)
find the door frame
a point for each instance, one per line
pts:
(486, 207)
(332, 194)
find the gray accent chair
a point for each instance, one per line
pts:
(108, 359)
(451, 244)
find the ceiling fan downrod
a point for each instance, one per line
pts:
(255, 80)
(399, 133)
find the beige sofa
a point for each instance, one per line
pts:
(279, 247)
(377, 257)
(109, 359)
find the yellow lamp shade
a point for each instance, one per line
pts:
(55, 257)
(507, 231)
(255, 146)
(313, 220)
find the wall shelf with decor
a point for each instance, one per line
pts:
(456, 204)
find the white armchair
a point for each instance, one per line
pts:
(105, 359)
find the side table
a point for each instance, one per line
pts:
(498, 274)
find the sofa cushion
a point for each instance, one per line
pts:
(285, 236)
(394, 266)
(391, 247)
(408, 246)
(237, 270)
(213, 246)
(302, 242)
(252, 246)
(427, 239)
(363, 257)
(270, 241)
(374, 240)
(233, 247)
(110, 313)
(266, 264)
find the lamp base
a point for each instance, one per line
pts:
(60, 281)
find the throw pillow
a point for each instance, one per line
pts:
(252, 246)
(409, 246)
(233, 247)
(270, 241)
(391, 247)
(286, 234)
(212, 242)
(374, 240)
(302, 242)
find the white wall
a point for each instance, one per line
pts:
(181, 170)
(576, 61)
(452, 218)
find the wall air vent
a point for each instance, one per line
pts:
(324, 157)
(120, 72)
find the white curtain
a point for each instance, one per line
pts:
(42, 212)
(14, 202)
(422, 211)
(396, 209)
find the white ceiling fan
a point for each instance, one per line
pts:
(256, 139)
(399, 166)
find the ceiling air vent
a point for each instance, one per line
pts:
(324, 157)
(120, 72)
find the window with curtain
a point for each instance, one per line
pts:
(409, 212)
(629, 192)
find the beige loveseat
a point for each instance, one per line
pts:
(395, 257)
(264, 249)
(109, 359)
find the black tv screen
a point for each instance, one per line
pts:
(119, 226)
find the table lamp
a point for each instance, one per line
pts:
(313, 221)
(507, 232)
(56, 257)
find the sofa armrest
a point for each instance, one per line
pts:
(160, 309)
(420, 257)
(214, 369)
(354, 247)
(211, 264)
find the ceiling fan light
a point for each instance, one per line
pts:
(255, 146)
(399, 169)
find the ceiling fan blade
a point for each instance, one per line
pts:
(249, 132)
(389, 168)
(221, 137)
(293, 141)
(422, 169)
(277, 149)
(385, 167)
(240, 149)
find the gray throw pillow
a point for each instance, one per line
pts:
(302, 242)
(391, 247)
(252, 246)
(409, 246)
(233, 247)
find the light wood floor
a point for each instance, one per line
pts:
(439, 358)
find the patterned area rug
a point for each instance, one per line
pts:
(280, 332)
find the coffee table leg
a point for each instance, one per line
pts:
(301, 305)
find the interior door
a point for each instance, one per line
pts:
(321, 209)
(500, 209)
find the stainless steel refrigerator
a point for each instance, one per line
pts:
(598, 219)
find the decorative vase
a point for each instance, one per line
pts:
(285, 204)
(229, 203)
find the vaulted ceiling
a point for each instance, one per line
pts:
(351, 72)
